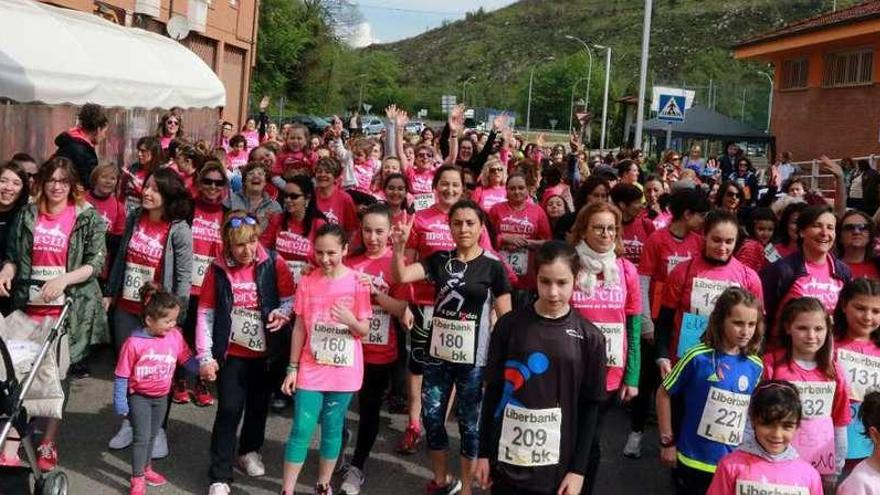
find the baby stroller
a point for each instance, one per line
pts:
(13, 397)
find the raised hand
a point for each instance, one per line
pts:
(541, 139)
(401, 119)
(499, 123)
(401, 230)
(574, 142)
(391, 112)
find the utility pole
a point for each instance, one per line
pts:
(643, 76)
(605, 100)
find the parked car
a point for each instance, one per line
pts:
(372, 126)
(415, 127)
(315, 124)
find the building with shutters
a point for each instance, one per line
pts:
(223, 33)
(826, 99)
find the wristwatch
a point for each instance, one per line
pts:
(667, 441)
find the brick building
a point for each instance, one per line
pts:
(826, 99)
(223, 33)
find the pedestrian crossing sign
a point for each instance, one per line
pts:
(671, 108)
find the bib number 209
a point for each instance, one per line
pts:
(530, 437)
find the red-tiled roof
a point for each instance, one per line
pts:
(861, 12)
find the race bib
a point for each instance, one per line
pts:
(296, 269)
(862, 370)
(817, 398)
(332, 344)
(453, 340)
(530, 437)
(43, 274)
(200, 268)
(614, 335)
(771, 254)
(758, 488)
(704, 293)
(247, 329)
(518, 260)
(135, 278)
(423, 201)
(380, 324)
(724, 417)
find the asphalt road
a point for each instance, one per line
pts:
(93, 469)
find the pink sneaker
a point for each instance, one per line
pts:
(153, 478)
(11, 461)
(138, 486)
(47, 456)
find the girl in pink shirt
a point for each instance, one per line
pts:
(421, 177)
(865, 478)
(766, 462)
(326, 356)
(806, 359)
(857, 346)
(144, 373)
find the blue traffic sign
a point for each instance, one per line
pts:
(671, 108)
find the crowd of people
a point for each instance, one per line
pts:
(523, 288)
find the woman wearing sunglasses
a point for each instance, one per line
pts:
(253, 197)
(157, 243)
(170, 127)
(421, 176)
(855, 243)
(246, 299)
(205, 223)
(492, 189)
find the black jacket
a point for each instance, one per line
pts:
(81, 153)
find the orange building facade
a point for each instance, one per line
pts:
(227, 44)
(826, 97)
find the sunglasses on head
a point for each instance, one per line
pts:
(213, 182)
(237, 222)
(855, 228)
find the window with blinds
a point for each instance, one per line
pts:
(849, 68)
(794, 73)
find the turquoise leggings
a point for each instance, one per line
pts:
(309, 405)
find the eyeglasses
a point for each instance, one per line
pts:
(60, 182)
(855, 228)
(237, 222)
(291, 196)
(213, 182)
(733, 194)
(603, 229)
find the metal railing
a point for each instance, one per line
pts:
(814, 175)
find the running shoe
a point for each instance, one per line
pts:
(452, 486)
(409, 444)
(633, 447)
(203, 395)
(160, 445)
(179, 392)
(252, 464)
(47, 456)
(153, 478)
(322, 489)
(354, 479)
(219, 489)
(138, 485)
(279, 403)
(123, 437)
(79, 370)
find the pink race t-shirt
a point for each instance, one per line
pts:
(742, 473)
(818, 283)
(332, 357)
(607, 307)
(363, 173)
(661, 253)
(694, 285)
(112, 211)
(860, 360)
(824, 403)
(487, 197)
(634, 236)
(296, 249)
(863, 480)
(49, 257)
(420, 181)
(252, 138)
(866, 269)
(380, 345)
(207, 242)
(149, 362)
(340, 209)
(289, 160)
(529, 221)
(236, 159)
(143, 258)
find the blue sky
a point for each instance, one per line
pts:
(392, 20)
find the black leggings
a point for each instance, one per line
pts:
(596, 448)
(376, 380)
(649, 380)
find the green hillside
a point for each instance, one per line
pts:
(691, 41)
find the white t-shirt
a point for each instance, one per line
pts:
(864, 480)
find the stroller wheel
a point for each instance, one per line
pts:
(54, 483)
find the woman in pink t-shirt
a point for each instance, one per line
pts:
(421, 177)
(170, 127)
(149, 159)
(806, 359)
(855, 242)
(491, 190)
(105, 182)
(245, 306)
(326, 355)
(56, 250)
(336, 204)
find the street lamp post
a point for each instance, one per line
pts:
(571, 104)
(363, 78)
(605, 100)
(769, 99)
(464, 88)
(643, 75)
(589, 67)
(529, 106)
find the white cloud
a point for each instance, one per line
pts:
(362, 35)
